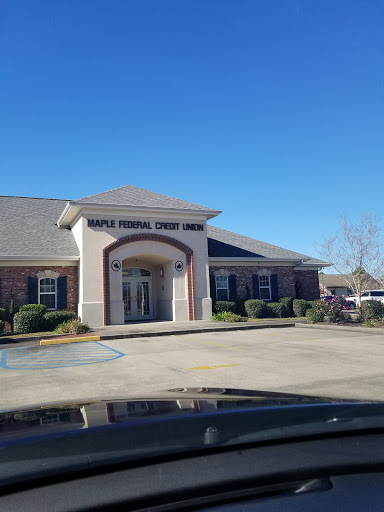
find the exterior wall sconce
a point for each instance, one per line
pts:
(161, 272)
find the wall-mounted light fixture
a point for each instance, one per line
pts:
(161, 272)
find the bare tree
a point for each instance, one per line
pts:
(356, 250)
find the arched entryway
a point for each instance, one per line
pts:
(115, 253)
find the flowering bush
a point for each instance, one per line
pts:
(333, 308)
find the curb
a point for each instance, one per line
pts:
(367, 330)
(60, 341)
(162, 333)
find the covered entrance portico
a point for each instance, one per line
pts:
(148, 277)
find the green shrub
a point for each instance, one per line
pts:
(372, 323)
(54, 318)
(275, 309)
(39, 308)
(255, 308)
(371, 309)
(227, 316)
(2, 326)
(225, 305)
(314, 316)
(2, 314)
(72, 327)
(300, 307)
(287, 306)
(312, 303)
(26, 321)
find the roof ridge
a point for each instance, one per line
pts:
(45, 198)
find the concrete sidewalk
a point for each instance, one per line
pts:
(160, 328)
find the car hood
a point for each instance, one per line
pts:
(50, 438)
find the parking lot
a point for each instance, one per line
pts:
(295, 360)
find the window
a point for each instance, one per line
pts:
(135, 272)
(265, 287)
(48, 292)
(221, 287)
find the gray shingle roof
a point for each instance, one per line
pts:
(220, 241)
(134, 196)
(28, 228)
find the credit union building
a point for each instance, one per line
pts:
(129, 254)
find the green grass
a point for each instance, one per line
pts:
(5, 335)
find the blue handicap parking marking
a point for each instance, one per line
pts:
(57, 356)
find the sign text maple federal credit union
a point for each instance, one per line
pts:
(138, 224)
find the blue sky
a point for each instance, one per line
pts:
(272, 111)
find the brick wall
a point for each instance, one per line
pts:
(285, 279)
(307, 284)
(15, 279)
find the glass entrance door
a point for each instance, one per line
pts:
(137, 297)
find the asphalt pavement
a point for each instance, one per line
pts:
(310, 361)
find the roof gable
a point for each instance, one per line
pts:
(135, 196)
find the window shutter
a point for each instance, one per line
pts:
(32, 290)
(232, 287)
(212, 286)
(62, 292)
(255, 282)
(274, 287)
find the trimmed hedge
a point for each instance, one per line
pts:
(39, 308)
(255, 308)
(2, 326)
(287, 306)
(26, 321)
(275, 309)
(54, 318)
(2, 315)
(225, 305)
(370, 309)
(300, 307)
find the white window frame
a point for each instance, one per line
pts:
(221, 288)
(48, 293)
(263, 287)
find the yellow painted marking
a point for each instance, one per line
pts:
(59, 341)
(206, 367)
(207, 342)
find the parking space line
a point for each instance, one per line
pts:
(57, 356)
(207, 342)
(213, 367)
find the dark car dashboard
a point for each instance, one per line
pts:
(332, 472)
